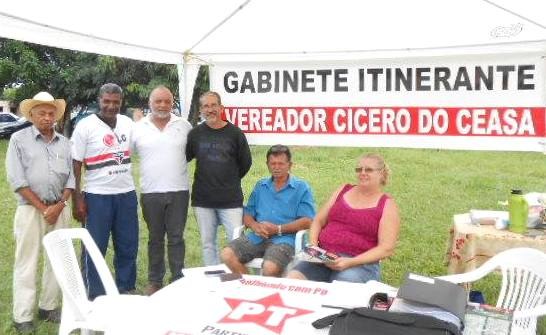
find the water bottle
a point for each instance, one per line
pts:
(518, 211)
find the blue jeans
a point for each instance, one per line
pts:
(356, 274)
(116, 213)
(208, 220)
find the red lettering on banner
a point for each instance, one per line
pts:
(437, 121)
(269, 312)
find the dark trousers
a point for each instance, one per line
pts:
(116, 214)
(165, 213)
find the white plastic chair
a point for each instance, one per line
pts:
(301, 240)
(105, 312)
(523, 287)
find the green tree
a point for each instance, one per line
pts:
(27, 68)
(202, 85)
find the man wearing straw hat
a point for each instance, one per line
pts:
(39, 170)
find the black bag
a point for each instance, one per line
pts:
(365, 321)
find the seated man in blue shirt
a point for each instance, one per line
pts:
(278, 207)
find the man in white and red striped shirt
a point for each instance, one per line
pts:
(108, 203)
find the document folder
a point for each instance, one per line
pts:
(436, 292)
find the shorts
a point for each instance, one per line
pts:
(280, 254)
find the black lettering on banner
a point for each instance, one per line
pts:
(247, 83)
(307, 81)
(361, 80)
(422, 79)
(264, 81)
(462, 80)
(405, 79)
(522, 76)
(277, 80)
(292, 81)
(505, 70)
(340, 77)
(287, 81)
(323, 74)
(388, 80)
(230, 86)
(442, 74)
(500, 77)
(440, 78)
(375, 77)
(481, 77)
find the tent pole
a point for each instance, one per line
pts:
(182, 83)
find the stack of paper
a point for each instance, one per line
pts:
(405, 306)
(478, 216)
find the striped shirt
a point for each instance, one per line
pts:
(105, 153)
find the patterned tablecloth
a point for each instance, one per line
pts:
(469, 245)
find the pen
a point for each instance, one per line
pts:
(332, 306)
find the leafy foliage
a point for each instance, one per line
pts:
(26, 69)
(202, 85)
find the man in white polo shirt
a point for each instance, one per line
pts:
(160, 141)
(108, 204)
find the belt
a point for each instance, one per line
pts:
(50, 202)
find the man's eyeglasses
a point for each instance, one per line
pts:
(211, 106)
(359, 169)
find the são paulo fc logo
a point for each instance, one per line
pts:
(108, 140)
(118, 156)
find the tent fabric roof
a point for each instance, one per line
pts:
(233, 30)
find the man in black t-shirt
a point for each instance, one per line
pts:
(222, 160)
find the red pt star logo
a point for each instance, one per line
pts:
(269, 312)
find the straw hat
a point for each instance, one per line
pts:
(42, 98)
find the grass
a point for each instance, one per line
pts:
(428, 185)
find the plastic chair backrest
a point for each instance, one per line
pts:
(59, 246)
(523, 281)
(302, 239)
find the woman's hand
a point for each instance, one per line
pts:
(340, 264)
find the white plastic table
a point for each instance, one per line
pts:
(199, 304)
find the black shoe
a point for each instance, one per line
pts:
(53, 315)
(24, 327)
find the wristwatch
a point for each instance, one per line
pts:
(64, 202)
(279, 231)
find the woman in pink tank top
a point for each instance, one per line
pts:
(360, 223)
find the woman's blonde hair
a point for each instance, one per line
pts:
(384, 168)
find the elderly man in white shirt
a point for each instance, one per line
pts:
(160, 141)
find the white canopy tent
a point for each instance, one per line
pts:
(164, 30)
(211, 31)
(220, 32)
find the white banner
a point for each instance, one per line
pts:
(477, 102)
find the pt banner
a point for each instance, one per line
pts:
(477, 102)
